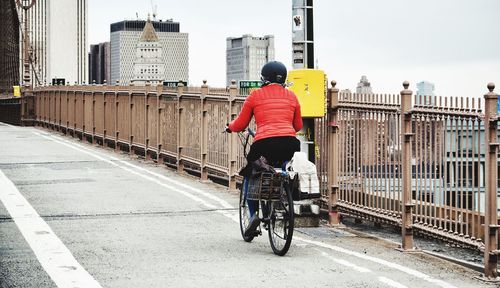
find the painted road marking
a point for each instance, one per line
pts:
(54, 257)
(235, 218)
(386, 263)
(346, 263)
(385, 280)
(391, 283)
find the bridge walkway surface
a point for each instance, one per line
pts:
(76, 215)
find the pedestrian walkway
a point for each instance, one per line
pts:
(77, 215)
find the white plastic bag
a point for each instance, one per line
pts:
(308, 177)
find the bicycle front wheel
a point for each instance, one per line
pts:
(244, 214)
(281, 221)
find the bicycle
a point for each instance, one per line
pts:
(271, 192)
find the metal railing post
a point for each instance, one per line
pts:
(491, 251)
(130, 112)
(233, 91)
(407, 136)
(146, 121)
(204, 132)
(116, 103)
(333, 145)
(180, 127)
(159, 91)
(94, 140)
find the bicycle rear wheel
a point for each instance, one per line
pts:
(281, 222)
(244, 214)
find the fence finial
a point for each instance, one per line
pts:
(406, 84)
(491, 87)
(334, 83)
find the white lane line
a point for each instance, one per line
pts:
(235, 218)
(386, 263)
(192, 197)
(360, 269)
(54, 257)
(346, 263)
(391, 283)
(163, 177)
(227, 214)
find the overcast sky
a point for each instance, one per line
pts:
(453, 43)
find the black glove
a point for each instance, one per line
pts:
(227, 129)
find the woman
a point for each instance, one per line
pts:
(277, 115)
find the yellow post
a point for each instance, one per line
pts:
(17, 91)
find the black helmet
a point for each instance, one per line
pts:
(273, 72)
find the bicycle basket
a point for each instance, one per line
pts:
(267, 186)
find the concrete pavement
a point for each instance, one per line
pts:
(129, 223)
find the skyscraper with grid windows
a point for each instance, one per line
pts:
(125, 37)
(246, 55)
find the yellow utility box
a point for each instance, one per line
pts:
(310, 87)
(17, 91)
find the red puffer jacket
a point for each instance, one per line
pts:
(276, 110)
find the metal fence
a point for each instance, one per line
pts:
(179, 127)
(425, 164)
(10, 111)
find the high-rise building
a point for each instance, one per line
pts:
(425, 93)
(58, 43)
(9, 46)
(364, 86)
(149, 65)
(425, 88)
(125, 38)
(246, 55)
(99, 63)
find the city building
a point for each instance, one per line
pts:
(246, 55)
(149, 66)
(425, 93)
(364, 86)
(9, 46)
(99, 63)
(58, 43)
(125, 42)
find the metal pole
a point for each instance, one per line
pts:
(491, 219)
(333, 161)
(232, 150)
(204, 131)
(407, 135)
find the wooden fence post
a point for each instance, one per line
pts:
(204, 132)
(407, 136)
(491, 219)
(333, 163)
(233, 91)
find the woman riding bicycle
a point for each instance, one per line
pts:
(277, 115)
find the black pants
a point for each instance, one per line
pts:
(276, 150)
